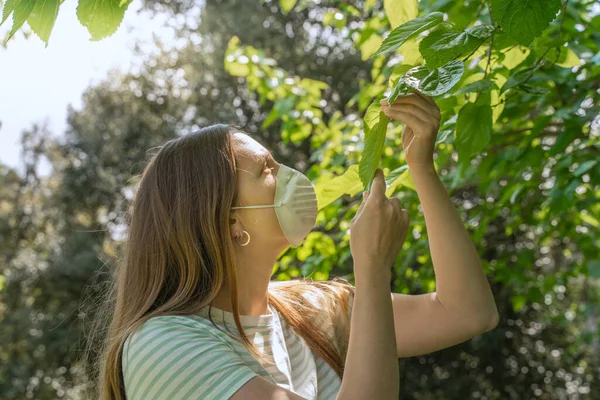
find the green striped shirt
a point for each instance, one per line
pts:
(186, 357)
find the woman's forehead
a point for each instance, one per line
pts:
(247, 148)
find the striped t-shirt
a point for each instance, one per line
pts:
(186, 357)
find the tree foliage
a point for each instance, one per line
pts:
(518, 84)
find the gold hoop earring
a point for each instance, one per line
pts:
(243, 244)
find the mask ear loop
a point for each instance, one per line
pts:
(241, 169)
(260, 206)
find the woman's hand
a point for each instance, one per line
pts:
(377, 231)
(421, 118)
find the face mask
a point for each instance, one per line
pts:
(295, 204)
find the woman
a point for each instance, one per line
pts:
(197, 317)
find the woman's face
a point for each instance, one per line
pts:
(256, 176)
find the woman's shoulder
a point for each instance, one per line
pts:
(172, 326)
(180, 321)
(173, 348)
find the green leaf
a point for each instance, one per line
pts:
(443, 45)
(407, 30)
(441, 80)
(518, 301)
(518, 78)
(399, 89)
(568, 58)
(22, 9)
(400, 11)
(590, 220)
(429, 82)
(399, 177)
(515, 193)
(514, 56)
(287, 5)
(585, 167)
(370, 46)
(238, 69)
(398, 86)
(480, 32)
(369, 5)
(372, 115)
(395, 174)
(411, 79)
(328, 18)
(299, 132)
(473, 128)
(329, 188)
(101, 17)
(285, 105)
(482, 86)
(8, 8)
(272, 117)
(524, 20)
(443, 135)
(410, 52)
(235, 64)
(42, 18)
(397, 73)
(374, 140)
(528, 88)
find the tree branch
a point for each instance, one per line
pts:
(562, 16)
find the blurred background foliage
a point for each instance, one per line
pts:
(298, 77)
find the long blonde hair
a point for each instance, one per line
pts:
(178, 254)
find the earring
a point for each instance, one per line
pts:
(240, 236)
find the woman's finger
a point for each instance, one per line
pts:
(412, 116)
(378, 186)
(397, 205)
(428, 99)
(414, 109)
(418, 102)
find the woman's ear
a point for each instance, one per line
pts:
(235, 227)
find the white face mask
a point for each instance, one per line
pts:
(295, 204)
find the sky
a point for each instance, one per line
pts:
(37, 83)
